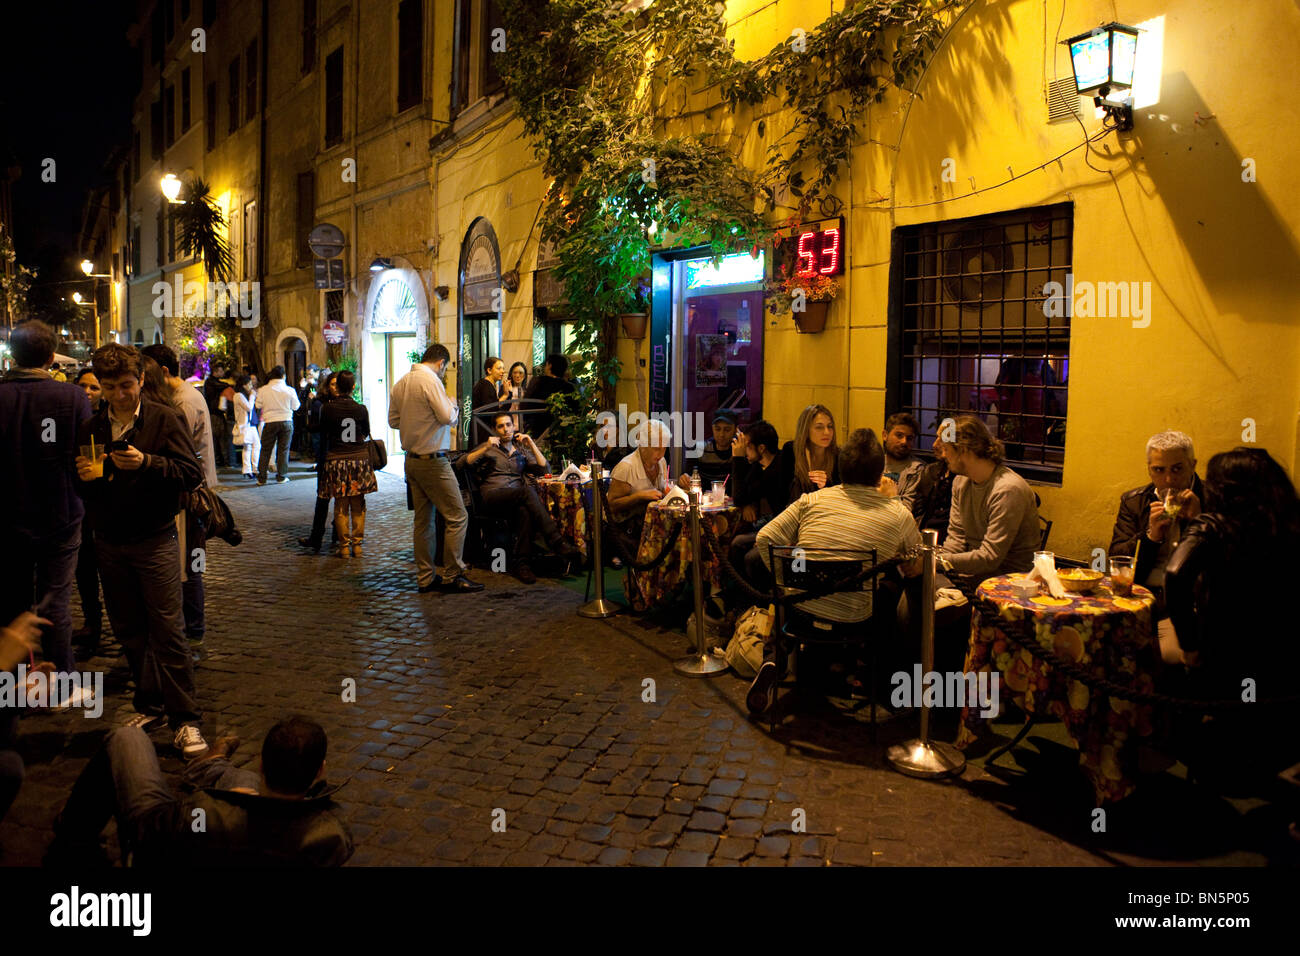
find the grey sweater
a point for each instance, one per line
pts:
(993, 526)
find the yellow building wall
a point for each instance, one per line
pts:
(1166, 204)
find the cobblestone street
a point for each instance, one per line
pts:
(507, 700)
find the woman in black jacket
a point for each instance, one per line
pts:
(1226, 588)
(487, 391)
(348, 477)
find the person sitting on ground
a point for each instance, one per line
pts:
(811, 461)
(281, 816)
(1144, 525)
(502, 461)
(640, 478)
(1222, 584)
(993, 521)
(18, 641)
(854, 515)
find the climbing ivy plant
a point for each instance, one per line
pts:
(597, 86)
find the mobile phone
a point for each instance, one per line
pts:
(118, 446)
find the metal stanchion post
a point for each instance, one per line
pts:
(923, 757)
(701, 663)
(600, 606)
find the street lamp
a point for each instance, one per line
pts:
(171, 188)
(88, 267)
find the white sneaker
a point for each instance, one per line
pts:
(190, 742)
(146, 722)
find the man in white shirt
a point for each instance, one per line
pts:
(420, 409)
(276, 403)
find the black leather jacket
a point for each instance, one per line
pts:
(1131, 524)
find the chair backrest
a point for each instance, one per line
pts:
(799, 579)
(1045, 529)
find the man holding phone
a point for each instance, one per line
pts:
(133, 494)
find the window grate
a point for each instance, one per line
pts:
(974, 335)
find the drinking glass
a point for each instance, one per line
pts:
(1121, 575)
(1050, 555)
(96, 455)
(719, 493)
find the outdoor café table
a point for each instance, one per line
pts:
(567, 502)
(646, 589)
(1112, 637)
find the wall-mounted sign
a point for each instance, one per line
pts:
(328, 273)
(738, 269)
(335, 333)
(818, 249)
(326, 240)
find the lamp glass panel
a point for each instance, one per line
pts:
(1123, 58)
(1090, 56)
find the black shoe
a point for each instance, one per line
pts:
(462, 585)
(309, 544)
(760, 693)
(261, 481)
(565, 549)
(524, 573)
(433, 586)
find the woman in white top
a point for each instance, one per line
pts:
(641, 477)
(246, 433)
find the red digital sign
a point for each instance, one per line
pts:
(818, 249)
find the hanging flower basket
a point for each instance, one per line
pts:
(634, 324)
(813, 318)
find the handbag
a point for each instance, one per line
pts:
(378, 454)
(237, 435)
(745, 650)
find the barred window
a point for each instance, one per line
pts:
(974, 337)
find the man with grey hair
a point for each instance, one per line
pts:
(1152, 518)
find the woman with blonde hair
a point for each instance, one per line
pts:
(811, 461)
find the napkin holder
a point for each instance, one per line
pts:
(673, 496)
(575, 473)
(1045, 570)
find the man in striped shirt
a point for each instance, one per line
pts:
(853, 515)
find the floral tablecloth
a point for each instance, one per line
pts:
(1113, 637)
(568, 503)
(646, 589)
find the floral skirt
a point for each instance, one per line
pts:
(345, 476)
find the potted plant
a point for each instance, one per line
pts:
(806, 298)
(634, 322)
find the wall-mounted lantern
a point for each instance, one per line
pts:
(1104, 60)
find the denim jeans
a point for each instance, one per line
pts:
(142, 591)
(38, 575)
(275, 435)
(433, 486)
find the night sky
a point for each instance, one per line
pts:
(66, 76)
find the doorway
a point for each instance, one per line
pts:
(717, 344)
(480, 338)
(393, 349)
(295, 361)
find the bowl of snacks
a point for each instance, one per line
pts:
(1079, 580)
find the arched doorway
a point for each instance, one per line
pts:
(396, 311)
(481, 304)
(291, 352)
